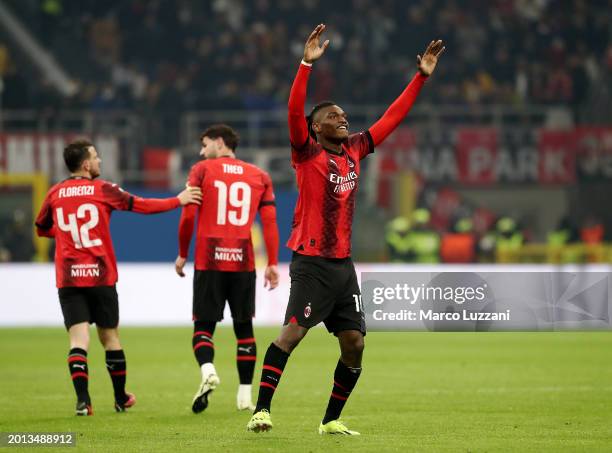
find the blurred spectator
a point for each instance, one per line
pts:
(398, 240)
(200, 55)
(425, 242)
(592, 231)
(459, 245)
(17, 238)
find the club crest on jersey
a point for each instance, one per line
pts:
(307, 311)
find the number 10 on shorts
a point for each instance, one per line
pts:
(358, 304)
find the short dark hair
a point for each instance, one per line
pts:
(230, 136)
(75, 153)
(313, 112)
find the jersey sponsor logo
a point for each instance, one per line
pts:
(76, 191)
(307, 311)
(343, 183)
(233, 169)
(85, 270)
(228, 254)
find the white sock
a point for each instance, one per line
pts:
(244, 392)
(207, 369)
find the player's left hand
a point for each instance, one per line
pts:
(427, 63)
(179, 264)
(271, 276)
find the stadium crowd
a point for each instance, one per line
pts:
(172, 56)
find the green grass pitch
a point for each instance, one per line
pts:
(418, 392)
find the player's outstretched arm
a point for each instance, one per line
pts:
(298, 128)
(191, 195)
(402, 105)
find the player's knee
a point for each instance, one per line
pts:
(81, 342)
(290, 337)
(79, 336)
(109, 339)
(352, 344)
(243, 329)
(359, 345)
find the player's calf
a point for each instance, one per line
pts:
(117, 370)
(79, 373)
(246, 356)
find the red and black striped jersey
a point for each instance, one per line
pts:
(77, 213)
(328, 182)
(233, 191)
(327, 185)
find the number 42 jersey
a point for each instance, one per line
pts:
(77, 213)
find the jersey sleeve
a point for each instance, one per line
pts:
(298, 126)
(267, 213)
(185, 230)
(307, 151)
(267, 197)
(398, 110)
(44, 219)
(115, 197)
(361, 144)
(196, 175)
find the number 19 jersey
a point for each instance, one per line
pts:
(232, 193)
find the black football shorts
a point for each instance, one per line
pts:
(211, 289)
(324, 290)
(95, 304)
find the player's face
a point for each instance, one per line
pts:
(93, 163)
(332, 123)
(210, 148)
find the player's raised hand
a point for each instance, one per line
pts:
(190, 195)
(313, 50)
(179, 264)
(271, 277)
(427, 63)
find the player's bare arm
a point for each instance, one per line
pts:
(313, 50)
(427, 63)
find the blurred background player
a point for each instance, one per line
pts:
(76, 212)
(324, 285)
(233, 192)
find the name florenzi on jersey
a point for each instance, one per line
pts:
(76, 191)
